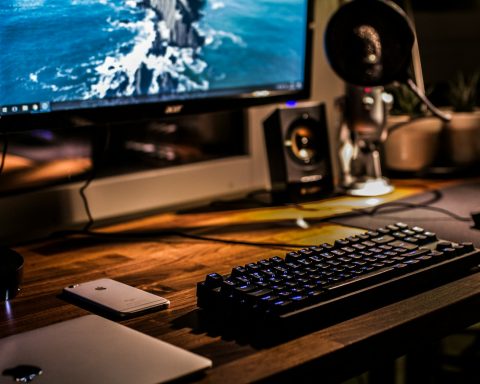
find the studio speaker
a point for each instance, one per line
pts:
(298, 153)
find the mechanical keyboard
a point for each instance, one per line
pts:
(320, 284)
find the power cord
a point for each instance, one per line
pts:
(4, 152)
(425, 207)
(89, 180)
(392, 206)
(86, 205)
(145, 235)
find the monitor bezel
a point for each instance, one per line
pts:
(137, 112)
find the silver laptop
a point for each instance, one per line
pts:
(92, 349)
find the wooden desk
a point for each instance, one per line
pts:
(171, 267)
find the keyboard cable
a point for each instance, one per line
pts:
(155, 234)
(4, 151)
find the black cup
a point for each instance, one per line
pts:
(11, 273)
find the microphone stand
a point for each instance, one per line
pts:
(363, 129)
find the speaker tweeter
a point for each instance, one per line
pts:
(298, 153)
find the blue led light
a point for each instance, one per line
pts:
(291, 103)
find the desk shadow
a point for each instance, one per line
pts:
(204, 322)
(247, 331)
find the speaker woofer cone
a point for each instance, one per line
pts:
(303, 143)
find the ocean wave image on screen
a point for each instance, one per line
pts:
(72, 50)
(165, 57)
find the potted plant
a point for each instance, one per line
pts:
(413, 136)
(463, 92)
(462, 133)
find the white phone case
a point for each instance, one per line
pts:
(117, 297)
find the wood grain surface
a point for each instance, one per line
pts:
(170, 266)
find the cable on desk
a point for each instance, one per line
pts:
(145, 235)
(89, 180)
(399, 206)
(129, 236)
(252, 197)
(86, 205)
(394, 207)
(425, 207)
(4, 152)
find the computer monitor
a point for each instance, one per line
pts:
(83, 63)
(79, 62)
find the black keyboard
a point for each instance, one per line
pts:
(321, 284)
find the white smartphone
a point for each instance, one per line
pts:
(115, 297)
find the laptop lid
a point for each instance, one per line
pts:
(92, 349)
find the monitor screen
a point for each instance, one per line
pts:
(114, 58)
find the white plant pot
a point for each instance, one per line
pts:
(412, 147)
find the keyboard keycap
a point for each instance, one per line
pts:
(383, 239)
(213, 280)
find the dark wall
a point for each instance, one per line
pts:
(449, 37)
